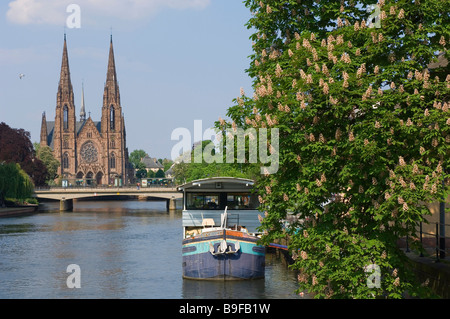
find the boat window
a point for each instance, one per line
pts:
(202, 201)
(241, 201)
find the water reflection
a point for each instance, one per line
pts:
(17, 229)
(125, 249)
(279, 283)
(196, 289)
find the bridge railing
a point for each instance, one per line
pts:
(102, 187)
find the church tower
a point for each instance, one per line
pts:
(64, 148)
(112, 124)
(111, 111)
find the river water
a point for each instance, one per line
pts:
(124, 249)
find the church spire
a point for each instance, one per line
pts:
(111, 111)
(83, 107)
(111, 95)
(65, 90)
(43, 141)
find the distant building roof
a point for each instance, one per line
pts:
(169, 172)
(151, 162)
(441, 62)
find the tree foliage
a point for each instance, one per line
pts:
(14, 182)
(160, 174)
(135, 158)
(167, 164)
(16, 147)
(141, 173)
(45, 154)
(187, 168)
(363, 114)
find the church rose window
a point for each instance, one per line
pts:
(89, 153)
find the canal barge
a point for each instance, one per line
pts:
(220, 230)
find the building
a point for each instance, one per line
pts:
(152, 164)
(90, 152)
(170, 173)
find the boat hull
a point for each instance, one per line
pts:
(203, 260)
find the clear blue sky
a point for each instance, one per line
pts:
(177, 61)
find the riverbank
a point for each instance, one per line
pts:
(18, 210)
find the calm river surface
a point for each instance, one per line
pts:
(125, 249)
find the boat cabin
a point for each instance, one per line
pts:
(205, 200)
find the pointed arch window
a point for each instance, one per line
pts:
(112, 117)
(65, 161)
(112, 160)
(65, 117)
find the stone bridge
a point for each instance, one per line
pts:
(66, 195)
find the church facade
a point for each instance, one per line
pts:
(90, 152)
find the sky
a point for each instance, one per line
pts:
(177, 61)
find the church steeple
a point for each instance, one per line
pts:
(111, 111)
(44, 134)
(83, 108)
(65, 129)
(111, 94)
(65, 90)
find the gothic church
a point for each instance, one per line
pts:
(90, 152)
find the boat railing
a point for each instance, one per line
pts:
(233, 221)
(245, 218)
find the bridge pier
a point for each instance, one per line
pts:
(171, 204)
(65, 204)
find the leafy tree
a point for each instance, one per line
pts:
(45, 154)
(187, 169)
(39, 174)
(160, 173)
(140, 166)
(135, 158)
(141, 173)
(362, 111)
(181, 169)
(14, 182)
(167, 164)
(150, 173)
(16, 147)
